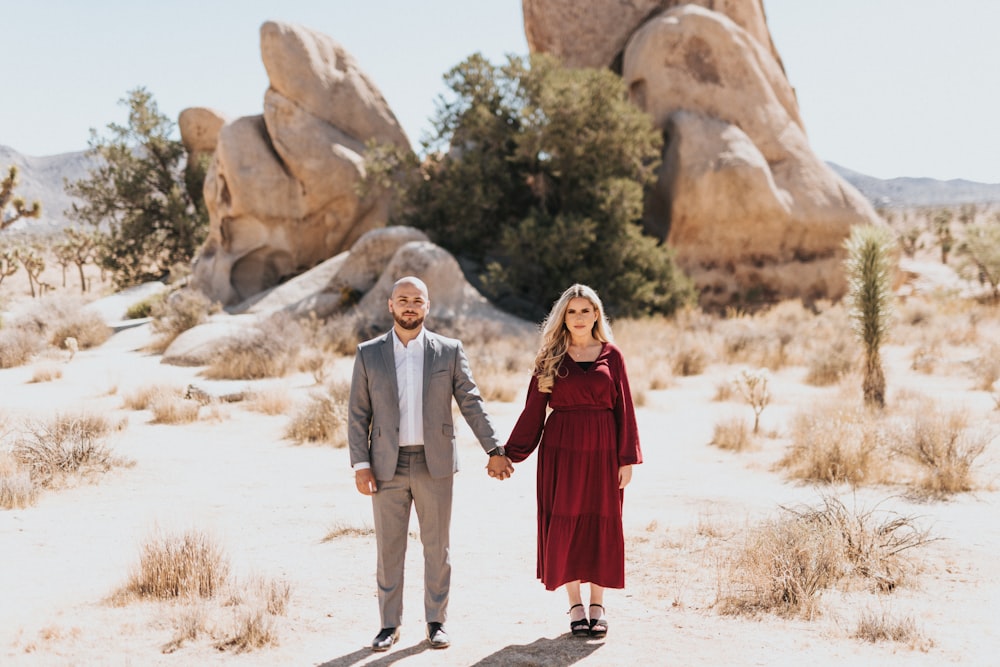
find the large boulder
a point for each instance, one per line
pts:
(742, 198)
(593, 33)
(282, 190)
(199, 127)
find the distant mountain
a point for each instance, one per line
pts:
(905, 192)
(42, 178)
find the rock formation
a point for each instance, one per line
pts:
(356, 285)
(750, 210)
(282, 187)
(199, 127)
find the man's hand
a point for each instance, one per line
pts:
(500, 467)
(364, 479)
(624, 476)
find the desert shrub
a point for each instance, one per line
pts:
(178, 312)
(87, 327)
(322, 419)
(690, 355)
(144, 308)
(732, 434)
(784, 563)
(143, 397)
(840, 442)
(267, 349)
(342, 529)
(830, 363)
(17, 490)
(342, 333)
(253, 628)
(880, 626)
(986, 368)
(271, 594)
(46, 372)
(943, 447)
(65, 445)
(270, 401)
(17, 346)
(752, 385)
(501, 366)
(190, 564)
(189, 624)
(172, 409)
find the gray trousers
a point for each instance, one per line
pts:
(413, 485)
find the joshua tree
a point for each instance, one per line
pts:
(941, 225)
(869, 275)
(33, 263)
(980, 251)
(9, 262)
(78, 246)
(20, 208)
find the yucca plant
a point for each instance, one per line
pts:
(869, 275)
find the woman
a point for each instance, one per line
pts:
(586, 451)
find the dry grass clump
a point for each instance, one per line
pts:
(85, 326)
(171, 409)
(322, 419)
(690, 355)
(880, 626)
(269, 401)
(176, 313)
(732, 434)
(342, 333)
(46, 372)
(267, 349)
(253, 629)
(190, 564)
(785, 563)
(143, 398)
(347, 530)
(941, 443)
(830, 362)
(766, 339)
(18, 345)
(17, 490)
(838, 442)
(65, 445)
(986, 368)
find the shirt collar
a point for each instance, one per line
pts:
(418, 341)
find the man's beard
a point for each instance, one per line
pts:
(409, 326)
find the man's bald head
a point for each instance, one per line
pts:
(411, 281)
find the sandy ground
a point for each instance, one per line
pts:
(270, 503)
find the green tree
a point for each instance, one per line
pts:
(869, 275)
(980, 252)
(146, 205)
(14, 208)
(534, 178)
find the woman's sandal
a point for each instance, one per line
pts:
(598, 627)
(580, 628)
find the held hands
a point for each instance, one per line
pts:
(364, 479)
(499, 467)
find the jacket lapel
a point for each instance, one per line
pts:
(432, 350)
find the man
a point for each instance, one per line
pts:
(403, 451)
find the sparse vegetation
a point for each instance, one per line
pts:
(65, 445)
(266, 350)
(732, 434)
(176, 313)
(881, 626)
(945, 448)
(189, 564)
(752, 385)
(12, 207)
(322, 419)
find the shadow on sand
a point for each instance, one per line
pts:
(559, 652)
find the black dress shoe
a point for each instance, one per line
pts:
(436, 635)
(385, 638)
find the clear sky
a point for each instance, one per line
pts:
(886, 87)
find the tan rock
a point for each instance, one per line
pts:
(322, 77)
(593, 33)
(199, 128)
(282, 190)
(742, 198)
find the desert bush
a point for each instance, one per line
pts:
(732, 434)
(46, 372)
(145, 308)
(271, 594)
(85, 326)
(840, 442)
(690, 355)
(65, 445)
(784, 563)
(830, 363)
(17, 346)
(169, 409)
(342, 333)
(986, 368)
(143, 397)
(188, 625)
(190, 564)
(322, 419)
(267, 349)
(342, 529)
(17, 490)
(880, 626)
(176, 313)
(253, 628)
(501, 367)
(270, 401)
(943, 446)
(753, 387)
(313, 361)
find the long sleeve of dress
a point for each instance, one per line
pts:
(528, 430)
(629, 452)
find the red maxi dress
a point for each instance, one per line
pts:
(590, 432)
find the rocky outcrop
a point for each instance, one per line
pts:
(282, 190)
(353, 289)
(750, 210)
(199, 127)
(593, 34)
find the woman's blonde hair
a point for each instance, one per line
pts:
(556, 338)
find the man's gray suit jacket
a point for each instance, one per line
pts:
(373, 421)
